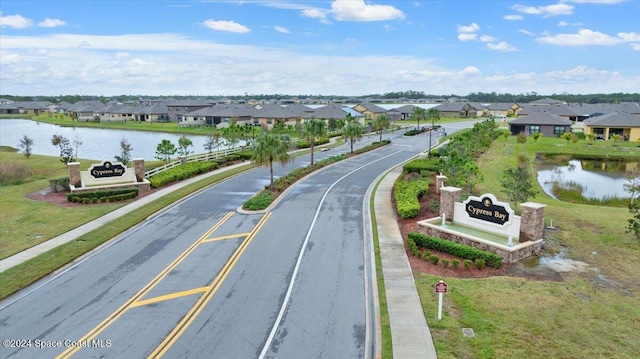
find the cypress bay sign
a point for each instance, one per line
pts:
(487, 208)
(107, 170)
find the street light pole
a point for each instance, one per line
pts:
(431, 130)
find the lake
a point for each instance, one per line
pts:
(97, 144)
(598, 179)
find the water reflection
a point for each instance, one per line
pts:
(97, 144)
(596, 179)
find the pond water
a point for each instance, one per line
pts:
(598, 179)
(97, 144)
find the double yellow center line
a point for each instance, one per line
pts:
(207, 291)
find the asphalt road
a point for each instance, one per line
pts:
(200, 280)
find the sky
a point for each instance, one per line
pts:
(314, 47)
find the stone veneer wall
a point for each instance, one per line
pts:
(448, 197)
(74, 174)
(509, 256)
(531, 222)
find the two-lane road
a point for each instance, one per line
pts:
(202, 281)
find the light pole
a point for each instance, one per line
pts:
(430, 130)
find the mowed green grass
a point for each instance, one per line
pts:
(27, 222)
(593, 313)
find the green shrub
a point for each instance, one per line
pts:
(426, 255)
(86, 200)
(459, 250)
(467, 263)
(445, 263)
(59, 184)
(480, 263)
(455, 263)
(422, 165)
(407, 195)
(260, 201)
(434, 260)
(186, 171)
(95, 196)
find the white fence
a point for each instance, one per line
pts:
(195, 158)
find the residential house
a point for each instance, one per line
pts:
(457, 110)
(182, 107)
(334, 111)
(551, 125)
(370, 111)
(605, 126)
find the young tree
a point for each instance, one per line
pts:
(416, 115)
(536, 136)
(184, 143)
(271, 148)
(352, 131)
(26, 144)
(381, 123)
(125, 152)
(633, 225)
(313, 129)
(165, 150)
(516, 183)
(213, 141)
(76, 144)
(434, 115)
(232, 134)
(633, 183)
(66, 151)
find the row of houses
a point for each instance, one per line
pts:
(548, 116)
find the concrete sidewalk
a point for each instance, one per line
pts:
(410, 333)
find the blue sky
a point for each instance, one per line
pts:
(343, 47)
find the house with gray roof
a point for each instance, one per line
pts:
(179, 108)
(549, 124)
(457, 110)
(623, 124)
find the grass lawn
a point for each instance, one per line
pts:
(593, 313)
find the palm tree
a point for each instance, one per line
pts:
(416, 115)
(270, 147)
(352, 131)
(313, 129)
(433, 115)
(381, 123)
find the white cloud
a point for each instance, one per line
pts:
(595, 1)
(546, 11)
(501, 46)
(487, 38)
(315, 14)
(357, 10)
(588, 37)
(106, 68)
(52, 23)
(563, 23)
(529, 33)
(15, 21)
(224, 25)
(629, 36)
(635, 46)
(467, 37)
(513, 17)
(469, 28)
(281, 29)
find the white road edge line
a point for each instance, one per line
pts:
(287, 297)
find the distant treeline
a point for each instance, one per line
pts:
(483, 97)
